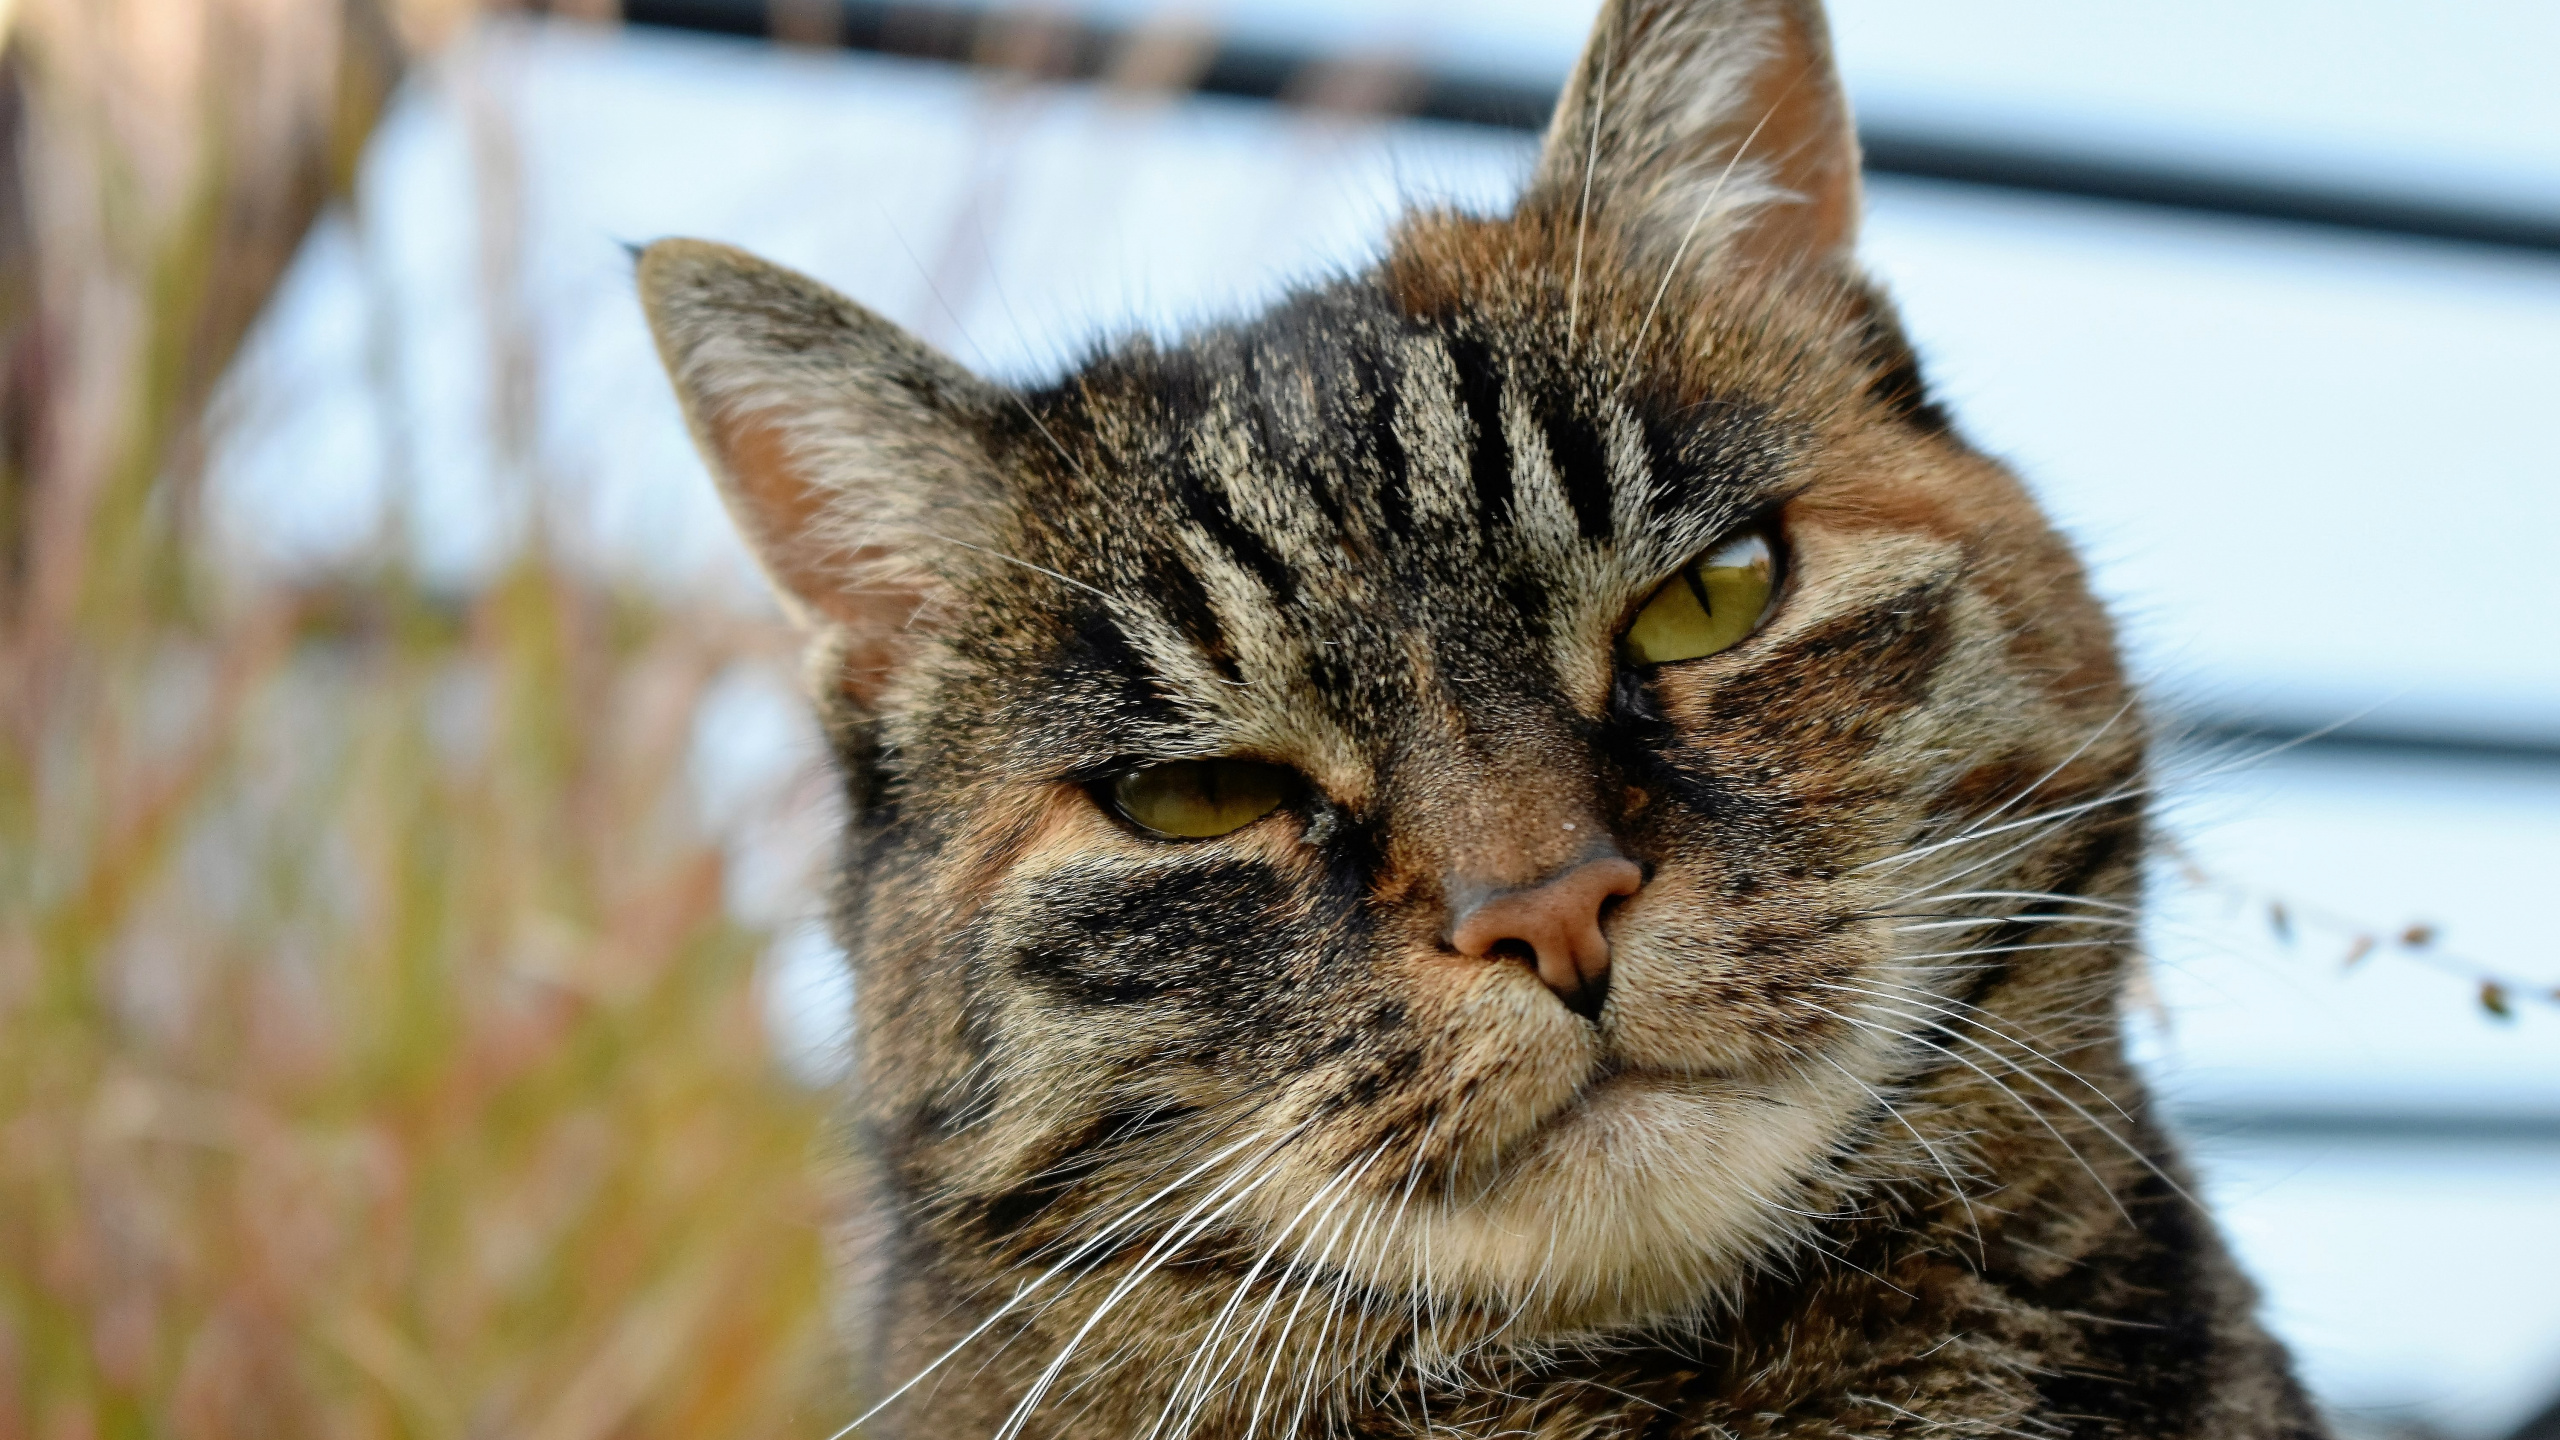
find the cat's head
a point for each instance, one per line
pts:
(1464, 787)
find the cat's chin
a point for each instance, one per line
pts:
(1641, 1201)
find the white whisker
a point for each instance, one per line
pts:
(1033, 1286)
(1181, 1233)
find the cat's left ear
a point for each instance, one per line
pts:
(1711, 130)
(850, 453)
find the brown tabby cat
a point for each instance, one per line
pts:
(1527, 845)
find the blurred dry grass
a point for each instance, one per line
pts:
(377, 1053)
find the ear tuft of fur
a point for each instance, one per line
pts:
(1710, 133)
(850, 453)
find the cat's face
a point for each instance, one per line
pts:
(1526, 950)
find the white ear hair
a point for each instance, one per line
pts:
(1715, 131)
(847, 450)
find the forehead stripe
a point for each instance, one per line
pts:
(1206, 506)
(1178, 594)
(1582, 467)
(1480, 396)
(1373, 377)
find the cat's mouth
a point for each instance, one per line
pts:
(1623, 1114)
(1615, 1085)
(1673, 1180)
(1615, 1076)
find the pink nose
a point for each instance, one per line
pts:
(1557, 921)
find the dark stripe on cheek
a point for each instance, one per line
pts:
(1582, 467)
(1849, 679)
(1201, 936)
(1480, 395)
(1072, 1163)
(1903, 634)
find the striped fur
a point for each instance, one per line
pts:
(1221, 1137)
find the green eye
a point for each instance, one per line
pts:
(1709, 606)
(1197, 799)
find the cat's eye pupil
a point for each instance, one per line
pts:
(1715, 601)
(1200, 799)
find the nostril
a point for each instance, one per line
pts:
(1556, 928)
(1586, 999)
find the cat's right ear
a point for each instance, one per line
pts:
(849, 452)
(1714, 133)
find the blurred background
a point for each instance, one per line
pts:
(413, 1019)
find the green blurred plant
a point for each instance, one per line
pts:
(377, 1054)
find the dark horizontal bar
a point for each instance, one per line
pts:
(2545, 1425)
(2412, 744)
(2208, 1124)
(2088, 177)
(1071, 50)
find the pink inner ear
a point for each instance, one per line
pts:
(851, 591)
(1661, 128)
(1803, 129)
